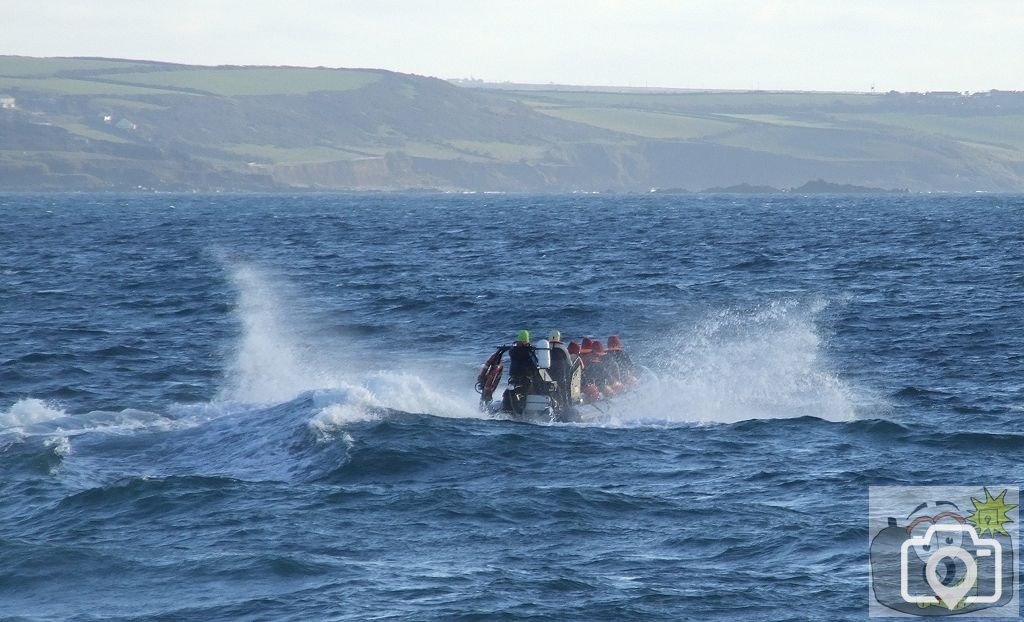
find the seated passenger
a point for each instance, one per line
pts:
(594, 374)
(574, 351)
(556, 341)
(561, 368)
(586, 346)
(605, 375)
(619, 362)
(575, 373)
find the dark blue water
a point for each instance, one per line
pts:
(237, 407)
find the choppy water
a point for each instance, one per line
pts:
(237, 407)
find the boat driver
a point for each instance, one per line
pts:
(522, 361)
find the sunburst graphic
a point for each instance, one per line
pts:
(990, 515)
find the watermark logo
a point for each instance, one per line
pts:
(943, 551)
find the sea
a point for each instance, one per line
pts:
(262, 407)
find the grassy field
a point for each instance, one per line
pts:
(75, 86)
(130, 104)
(85, 131)
(777, 119)
(240, 81)
(298, 155)
(117, 77)
(1002, 131)
(25, 66)
(755, 102)
(642, 123)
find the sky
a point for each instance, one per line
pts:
(832, 45)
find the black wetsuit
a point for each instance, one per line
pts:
(561, 366)
(522, 364)
(522, 369)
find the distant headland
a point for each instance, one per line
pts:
(99, 124)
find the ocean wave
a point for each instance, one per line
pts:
(275, 360)
(28, 411)
(988, 441)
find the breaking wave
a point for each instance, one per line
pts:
(732, 365)
(279, 358)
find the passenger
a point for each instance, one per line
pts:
(621, 366)
(575, 372)
(561, 368)
(603, 377)
(594, 378)
(592, 350)
(574, 351)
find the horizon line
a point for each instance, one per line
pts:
(472, 80)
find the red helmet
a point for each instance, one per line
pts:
(574, 348)
(587, 345)
(614, 343)
(598, 347)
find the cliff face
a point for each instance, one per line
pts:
(71, 124)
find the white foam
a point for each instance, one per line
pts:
(333, 419)
(761, 364)
(412, 393)
(29, 411)
(275, 362)
(61, 445)
(33, 417)
(266, 366)
(379, 391)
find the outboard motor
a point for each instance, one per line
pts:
(537, 406)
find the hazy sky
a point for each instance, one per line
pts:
(799, 44)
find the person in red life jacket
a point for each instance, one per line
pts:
(586, 356)
(586, 346)
(621, 369)
(575, 367)
(604, 377)
(574, 353)
(593, 370)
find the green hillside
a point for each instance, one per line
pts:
(82, 123)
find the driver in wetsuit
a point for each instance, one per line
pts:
(522, 368)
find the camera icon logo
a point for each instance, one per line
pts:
(956, 594)
(943, 550)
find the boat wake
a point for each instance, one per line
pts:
(291, 406)
(764, 363)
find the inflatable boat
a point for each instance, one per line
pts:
(559, 385)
